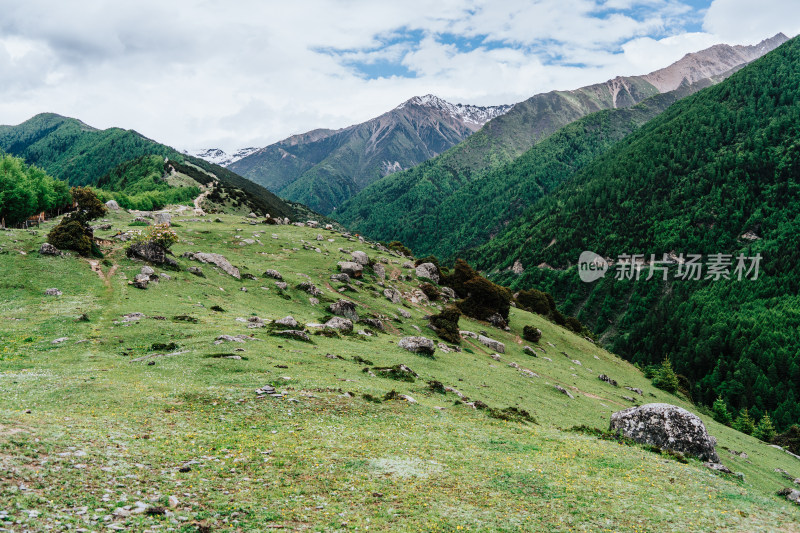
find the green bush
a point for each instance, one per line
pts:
(398, 246)
(485, 299)
(71, 234)
(534, 301)
(573, 324)
(431, 291)
(790, 439)
(530, 333)
(446, 324)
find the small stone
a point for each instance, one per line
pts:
(52, 292)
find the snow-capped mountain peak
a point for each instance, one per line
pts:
(473, 114)
(221, 157)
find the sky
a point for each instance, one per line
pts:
(202, 73)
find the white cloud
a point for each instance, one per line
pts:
(197, 73)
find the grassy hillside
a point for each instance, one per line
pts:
(71, 151)
(115, 414)
(716, 173)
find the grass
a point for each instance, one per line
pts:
(85, 429)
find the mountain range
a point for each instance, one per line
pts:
(323, 168)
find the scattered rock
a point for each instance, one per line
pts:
(491, 343)
(634, 389)
(287, 321)
(373, 323)
(49, 249)
(562, 390)
(162, 218)
(112, 205)
(448, 292)
(666, 426)
(719, 467)
(517, 268)
(197, 271)
(419, 345)
(603, 377)
(344, 308)
(215, 259)
(428, 271)
(340, 324)
(274, 274)
(282, 285)
(379, 270)
(150, 252)
(497, 321)
(310, 288)
(232, 338)
(59, 340)
(530, 351)
(360, 257)
(342, 278)
(294, 334)
(147, 271)
(140, 281)
(52, 292)
(793, 495)
(351, 268)
(403, 312)
(393, 295)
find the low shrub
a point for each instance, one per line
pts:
(446, 324)
(530, 333)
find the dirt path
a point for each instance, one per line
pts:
(95, 265)
(199, 200)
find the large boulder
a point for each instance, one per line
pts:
(150, 252)
(428, 271)
(215, 259)
(112, 205)
(420, 345)
(497, 346)
(162, 218)
(351, 268)
(666, 426)
(344, 308)
(49, 249)
(380, 271)
(393, 295)
(361, 258)
(340, 324)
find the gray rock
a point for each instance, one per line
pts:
(147, 271)
(60, 340)
(403, 312)
(393, 295)
(719, 467)
(497, 346)
(141, 281)
(52, 292)
(464, 334)
(448, 292)
(418, 345)
(379, 270)
(530, 351)
(428, 271)
(497, 321)
(112, 205)
(340, 324)
(49, 249)
(562, 390)
(603, 377)
(351, 268)
(634, 389)
(342, 278)
(793, 495)
(310, 288)
(408, 264)
(150, 252)
(344, 308)
(294, 334)
(274, 274)
(360, 257)
(197, 271)
(287, 321)
(162, 218)
(215, 259)
(373, 323)
(666, 426)
(282, 285)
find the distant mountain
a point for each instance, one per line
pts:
(220, 157)
(77, 153)
(408, 205)
(323, 168)
(716, 173)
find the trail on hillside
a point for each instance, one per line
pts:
(199, 200)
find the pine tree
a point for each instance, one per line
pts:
(744, 423)
(720, 412)
(665, 378)
(765, 430)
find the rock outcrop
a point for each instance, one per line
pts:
(420, 345)
(215, 259)
(666, 426)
